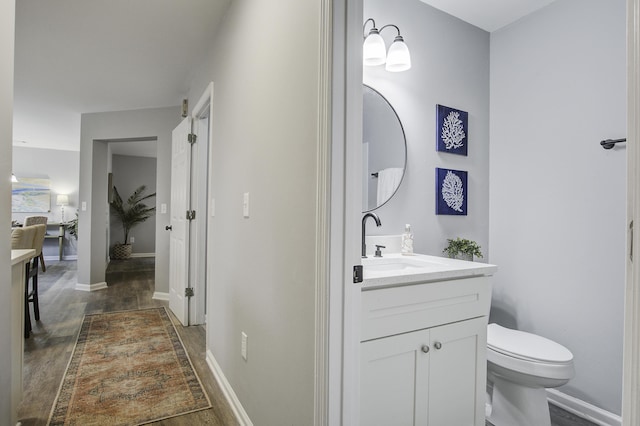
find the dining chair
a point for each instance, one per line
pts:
(37, 220)
(30, 237)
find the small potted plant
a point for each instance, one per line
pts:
(130, 214)
(462, 249)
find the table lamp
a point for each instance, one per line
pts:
(62, 200)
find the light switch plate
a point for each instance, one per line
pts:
(163, 208)
(84, 206)
(243, 346)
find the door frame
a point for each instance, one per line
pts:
(342, 321)
(631, 354)
(199, 201)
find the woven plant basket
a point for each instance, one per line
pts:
(121, 251)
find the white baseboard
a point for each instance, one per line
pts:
(227, 390)
(91, 287)
(157, 295)
(583, 409)
(143, 255)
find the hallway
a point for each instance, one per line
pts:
(62, 308)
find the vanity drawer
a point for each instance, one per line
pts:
(402, 309)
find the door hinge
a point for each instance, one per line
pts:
(192, 138)
(188, 292)
(357, 274)
(631, 241)
(191, 214)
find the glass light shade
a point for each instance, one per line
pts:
(14, 179)
(62, 200)
(374, 51)
(398, 58)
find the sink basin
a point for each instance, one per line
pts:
(396, 264)
(397, 269)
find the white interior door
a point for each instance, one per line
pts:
(179, 240)
(201, 127)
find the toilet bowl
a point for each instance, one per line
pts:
(520, 366)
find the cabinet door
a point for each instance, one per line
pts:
(394, 380)
(457, 374)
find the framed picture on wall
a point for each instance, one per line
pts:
(452, 129)
(31, 195)
(451, 192)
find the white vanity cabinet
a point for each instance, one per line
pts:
(423, 353)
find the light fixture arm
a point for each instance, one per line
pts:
(373, 28)
(390, 25)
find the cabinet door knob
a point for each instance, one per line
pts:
(437, 345)
(425, 349)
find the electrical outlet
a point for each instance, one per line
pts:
(163, 208)
(84, 206)
(243, 346)
(132, 239)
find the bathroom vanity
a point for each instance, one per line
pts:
(423, 341)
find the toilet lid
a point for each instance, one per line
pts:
(524, 345)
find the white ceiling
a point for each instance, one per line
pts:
(490, 15)
(76, 56)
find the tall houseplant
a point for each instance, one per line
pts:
(130, 214)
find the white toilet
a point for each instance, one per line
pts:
(520, 366)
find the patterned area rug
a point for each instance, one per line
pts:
(128, 368)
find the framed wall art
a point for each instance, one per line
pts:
(31, 195)
(452, 129)
(451, 192)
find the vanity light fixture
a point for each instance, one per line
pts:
(374, 50)
(14, 179)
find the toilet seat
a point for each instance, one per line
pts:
(526, 346)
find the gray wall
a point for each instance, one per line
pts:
(96, 130)
(558, 87)
(129, 172)
(450, 66)
(7, 25)
(265, 143)
(62, 168)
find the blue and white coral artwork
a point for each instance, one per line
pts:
(451, 192)
(452, 130)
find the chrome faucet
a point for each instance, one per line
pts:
(364, 221)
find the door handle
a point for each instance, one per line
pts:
(168, 227)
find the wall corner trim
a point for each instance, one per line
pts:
(583, 409)
(158, 295)
(227, 390)
(91, 287)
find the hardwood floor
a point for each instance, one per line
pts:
(48, 350)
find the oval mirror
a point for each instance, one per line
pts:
(384, 150)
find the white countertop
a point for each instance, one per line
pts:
(21, 255)
(420, 269)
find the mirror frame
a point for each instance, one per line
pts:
(404, 137)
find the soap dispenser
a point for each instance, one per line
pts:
(407, 241)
